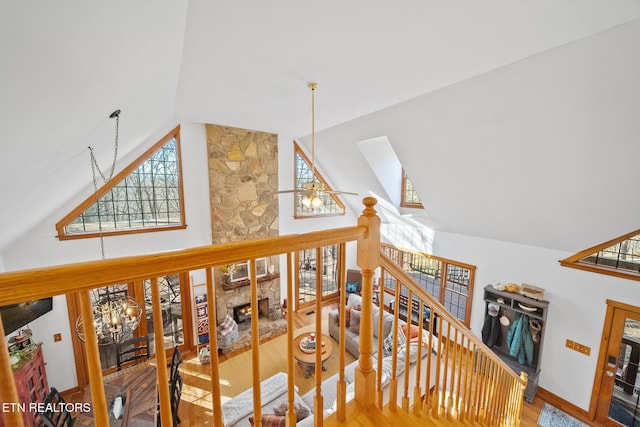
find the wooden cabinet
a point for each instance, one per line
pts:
(32, 386)
(513, 305)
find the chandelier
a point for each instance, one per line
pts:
(114, 318)
(115, 314)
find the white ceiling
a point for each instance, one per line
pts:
(68, 64)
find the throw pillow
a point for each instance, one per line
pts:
(354, 325)
(271, 420)
(411, 331)
(302, 411)
(352, 287)
(347, 313)
(387, 345)
(402, 339)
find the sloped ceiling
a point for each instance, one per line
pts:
(541, 152)
(68, 64)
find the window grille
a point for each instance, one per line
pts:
(145, 196)
(618, 257)
(410, 198)
(307, 266)
(452, 290)
(331, 204)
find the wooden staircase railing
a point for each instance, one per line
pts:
(81, 278)
(469, 382)
(457, 377)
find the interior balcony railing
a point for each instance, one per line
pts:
(454, 375)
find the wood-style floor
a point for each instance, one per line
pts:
(196, 411)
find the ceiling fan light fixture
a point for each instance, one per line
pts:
(316, 202)
(312, 202)
(311, 189)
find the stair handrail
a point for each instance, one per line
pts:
(491, 379)
(391, 267)
(42, 282)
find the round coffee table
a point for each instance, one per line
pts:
(307, 358)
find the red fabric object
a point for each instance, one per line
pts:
(271, 420)
(347, 313)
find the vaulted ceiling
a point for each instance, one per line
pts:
(517, 121)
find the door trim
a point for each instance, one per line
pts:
(602, 354)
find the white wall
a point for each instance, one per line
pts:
(577, 304)
(41, 248)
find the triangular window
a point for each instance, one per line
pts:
(410, 198)
(146, 196)
(618, 257)
(329, 204)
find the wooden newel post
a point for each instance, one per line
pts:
(368, 261)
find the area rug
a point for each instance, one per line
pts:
(550, 416)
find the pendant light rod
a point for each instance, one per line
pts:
(313, 86)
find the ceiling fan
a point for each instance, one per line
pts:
(312, 189)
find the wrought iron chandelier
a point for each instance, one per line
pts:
(114, 318)
(115, 314)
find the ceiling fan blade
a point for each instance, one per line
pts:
(340, 192)
(299, 190)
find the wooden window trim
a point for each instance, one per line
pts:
(444, 265)
(62, 224)
(574, 260)
(403, 200)
(317, 174)
(323, 298)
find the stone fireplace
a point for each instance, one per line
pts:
(243, 185)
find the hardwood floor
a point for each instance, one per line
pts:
(194, 410)
(235, 374)
(531, 412)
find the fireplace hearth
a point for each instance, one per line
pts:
(242, 313)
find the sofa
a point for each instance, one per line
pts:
(273, 390)
(237, 411)
(330, 385)
(352, 333)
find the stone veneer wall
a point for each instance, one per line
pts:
(243, 185)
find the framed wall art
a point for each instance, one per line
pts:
(240, 270)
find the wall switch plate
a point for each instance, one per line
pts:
(57, 337)
(580, 348)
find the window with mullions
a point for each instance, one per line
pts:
(330, 203)
(410, 198)
(145, 196)
(307, 267)
(618, 257)
(449, 282)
